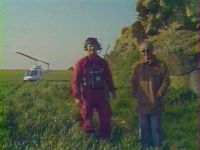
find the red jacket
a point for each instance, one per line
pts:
(77, 87)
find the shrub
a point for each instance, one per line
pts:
(180, 95)
(150, 5)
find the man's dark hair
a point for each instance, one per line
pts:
(93, 41)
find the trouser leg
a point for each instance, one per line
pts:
(156, 129)
(86, 114)
(104, 114)
(79, 116)
(145, 130)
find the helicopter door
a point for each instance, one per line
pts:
(39, 75)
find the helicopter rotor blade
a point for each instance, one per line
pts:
(33, 58)
(43, 62)
(27, 56)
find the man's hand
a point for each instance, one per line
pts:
(77, 101)
(113, 95)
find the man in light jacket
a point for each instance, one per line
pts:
(150, 81)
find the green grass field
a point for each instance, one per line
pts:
(13, 76)
(41, 116)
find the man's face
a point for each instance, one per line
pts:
(146, 55)
(92, 49)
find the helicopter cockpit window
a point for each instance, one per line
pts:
(31, 73)
(27, 73)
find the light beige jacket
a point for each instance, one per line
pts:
(149, 84)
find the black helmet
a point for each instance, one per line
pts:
(93, 41)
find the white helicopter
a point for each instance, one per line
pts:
(35, 73)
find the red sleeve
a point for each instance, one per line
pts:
(109, 80)
(75, 82)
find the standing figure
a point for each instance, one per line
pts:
(150, 81)
(91, 86)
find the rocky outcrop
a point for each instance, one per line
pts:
(171, 26)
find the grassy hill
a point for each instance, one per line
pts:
(41, 115)
(172, 30)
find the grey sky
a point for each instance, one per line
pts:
(55, 30)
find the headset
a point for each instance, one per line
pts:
(92, 40)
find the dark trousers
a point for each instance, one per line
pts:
(150, 133)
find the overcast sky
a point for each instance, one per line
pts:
(55, 30)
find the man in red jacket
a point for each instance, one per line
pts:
(91, 85)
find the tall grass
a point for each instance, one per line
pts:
(41, 115)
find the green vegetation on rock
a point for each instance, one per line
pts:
(41, 115)
(166, 12)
